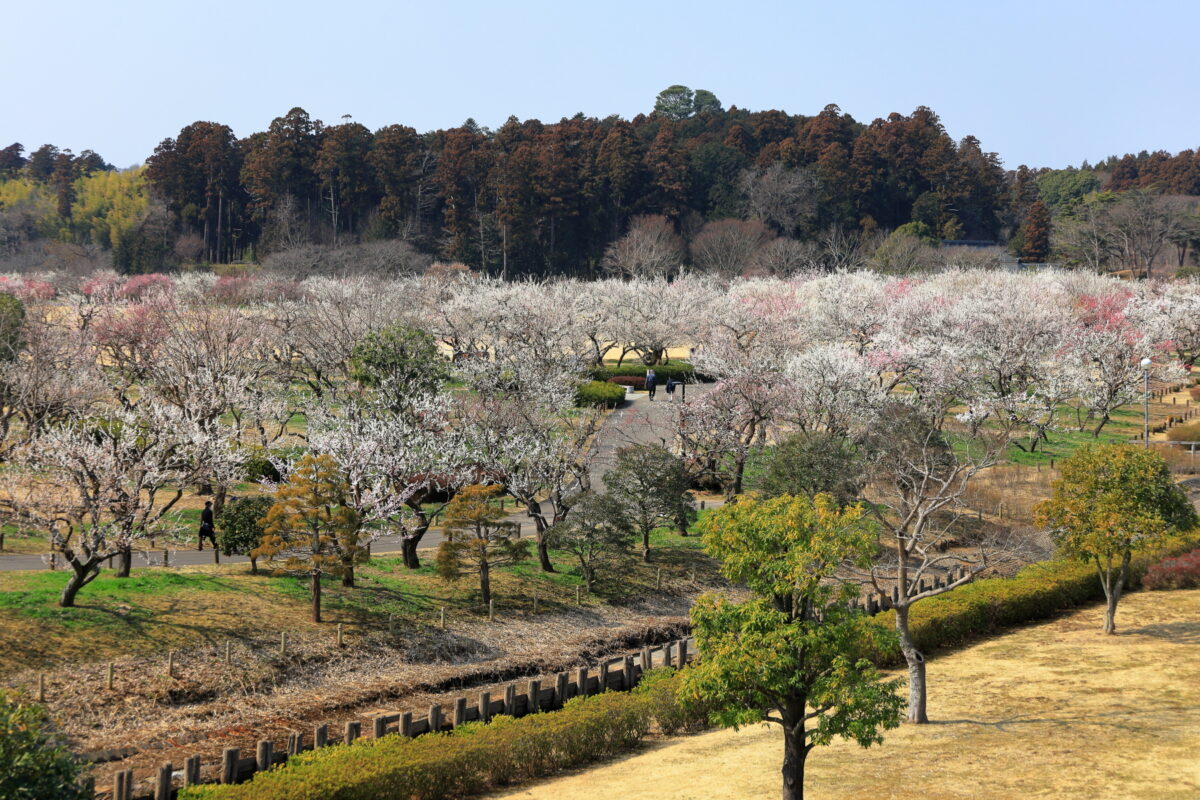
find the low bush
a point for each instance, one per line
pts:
(599, 393)
(258, 467)
(473, 758)
(679, 370)
(34, 763)
(1181, 572)
(636, 381)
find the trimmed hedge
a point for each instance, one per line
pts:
(599, 393)
(983, 607)
(472, 758)
(638, 383)
(679, 370)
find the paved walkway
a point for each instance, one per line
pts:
(637, 421)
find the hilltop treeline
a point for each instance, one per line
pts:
(532, 198)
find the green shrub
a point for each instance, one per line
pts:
(238, 528)
(34, 765)
(471, 759)
(679, 370)
(660, 689)
(989, 605)
(599, 393)
(258, 467)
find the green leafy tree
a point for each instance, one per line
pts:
(792, 654)
(655, 489)
(597, 533)
(812, 463)
(34, 763)
(478, 538)
(676, 102)
(399, 362)
(704, 101)
(240, 528)
(1111, 501)
(309, 526)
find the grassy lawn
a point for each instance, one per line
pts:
(156, 609)
(1055, 710)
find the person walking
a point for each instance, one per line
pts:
(671, 384)
(207, 526)
(651, 383)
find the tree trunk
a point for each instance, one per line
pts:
(219, 500)
(646, 546)
(1114, 584)
(408, 548)
(348, 576)
(124, 561)
(316, 596)
(794, 753)
(543, 551)
(253, 565)
(534, 509)
(485, 583)
(81, 575)
(916, 669)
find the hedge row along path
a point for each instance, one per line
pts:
(636, 421)
(1055, 710)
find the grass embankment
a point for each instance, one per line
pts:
(156, 609)
(1054, 710)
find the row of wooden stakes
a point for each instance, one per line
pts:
(614, 674)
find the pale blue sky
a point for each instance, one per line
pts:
(1045, 83)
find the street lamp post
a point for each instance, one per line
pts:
(1146, 362)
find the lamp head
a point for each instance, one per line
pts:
(1146, 363)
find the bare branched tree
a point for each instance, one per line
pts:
(783, 197)
(650, 249)
(725, 248)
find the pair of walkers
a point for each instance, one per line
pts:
(652, 386)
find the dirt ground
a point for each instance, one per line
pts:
(1055, 710)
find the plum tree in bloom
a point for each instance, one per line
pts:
(99, 483)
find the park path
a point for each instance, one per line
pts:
(638, 420)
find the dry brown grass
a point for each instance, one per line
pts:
(1054, 711)
(1007, 493)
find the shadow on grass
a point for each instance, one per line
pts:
(1176, 632)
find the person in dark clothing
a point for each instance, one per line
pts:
(207, 526)
(651, 383)
(671, 383)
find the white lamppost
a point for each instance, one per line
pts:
(1146, 362)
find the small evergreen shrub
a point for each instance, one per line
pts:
(599, 393)
(258, 467)
(34, 764)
